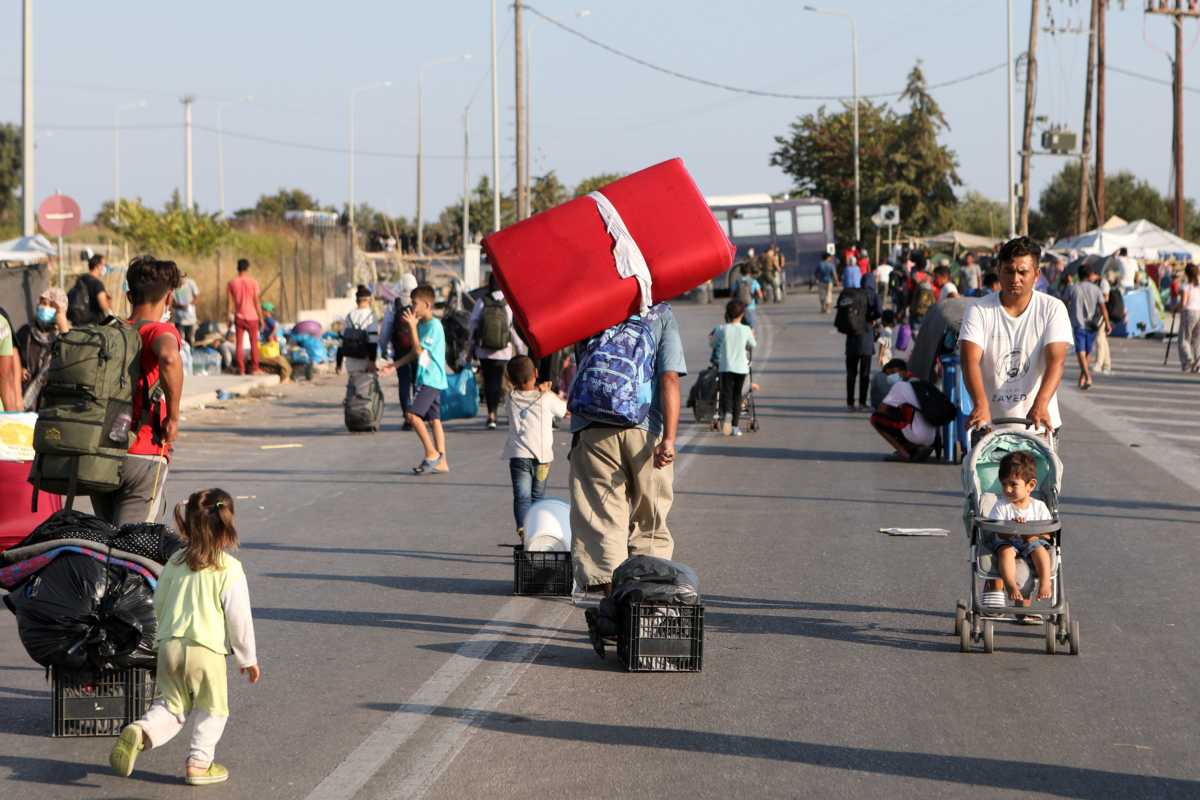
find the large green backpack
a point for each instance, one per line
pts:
(85, 415)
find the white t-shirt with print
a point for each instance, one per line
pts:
(1014, 350)
(1005, 511)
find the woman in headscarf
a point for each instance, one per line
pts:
(35, 339)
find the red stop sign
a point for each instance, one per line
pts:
(58, 215)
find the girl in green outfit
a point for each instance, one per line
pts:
(203, 611)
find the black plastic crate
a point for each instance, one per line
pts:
(99, 704)
(659, 637)
(542, 573)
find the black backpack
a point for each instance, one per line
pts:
(936, 408)
(356, 342)
(1116, 306)
(851, 316)
(79, 304)
(402, 338)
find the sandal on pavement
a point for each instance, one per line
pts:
(214, 774)
(125, 751)
(428, 465)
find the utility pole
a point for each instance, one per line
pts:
(522, 164)
(1181, 10)
(495, 129)
(187, 150)
(1012, 204)
(1101, 13)
(466, 226)
(28, 200)
(1027, 134)
(1081, 223)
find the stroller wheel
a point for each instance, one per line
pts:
(989, 636)
(1074, 638)
(754, 425)
(1051, 637)
(964, 637)
(960, 616)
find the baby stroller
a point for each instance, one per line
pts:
(981, 486)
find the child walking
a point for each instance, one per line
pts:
(532, 410)
(203, 610)
(429, 351)
(731, 343)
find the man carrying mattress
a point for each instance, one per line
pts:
(624, 407)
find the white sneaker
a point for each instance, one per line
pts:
(737, 432)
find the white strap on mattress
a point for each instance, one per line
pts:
(630, 261)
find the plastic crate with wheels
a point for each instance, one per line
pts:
(99, 704)
(662, 637)
(542, 573)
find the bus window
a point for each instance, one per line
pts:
(722, 218)
(751, 223)
(810, 219)
(783, 222)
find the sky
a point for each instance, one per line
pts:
(590, 111)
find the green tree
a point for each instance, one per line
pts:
(595, 182)
(547, 192)
(923, 171)
(273, 206)
(10, 171)
(978, 214)
(818, 155)
(1126, 196)
(174, 231)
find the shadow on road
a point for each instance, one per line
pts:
(431, 555)
(784, 453)
(458, 626)
(71, 773)
(409, 583)
(1019, 776)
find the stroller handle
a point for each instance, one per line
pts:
(1045, 432)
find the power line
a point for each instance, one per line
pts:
(739, 89)
(1150, 78)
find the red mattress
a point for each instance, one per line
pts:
(557, 268)
(16, 520)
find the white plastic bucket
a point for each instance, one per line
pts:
(548, 526)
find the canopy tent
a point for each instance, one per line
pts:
(1143, 238)
(962, 241)
(27, 250)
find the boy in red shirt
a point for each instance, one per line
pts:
(155, 417)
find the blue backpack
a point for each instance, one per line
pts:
(615, 378)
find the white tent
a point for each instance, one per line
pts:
(963, 241)
(27, 250)
(1144, 239)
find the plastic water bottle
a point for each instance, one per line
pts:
(120, 427)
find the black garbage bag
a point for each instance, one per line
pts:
(69, 524)
(639, 579)
(149, 539)
(80, 613)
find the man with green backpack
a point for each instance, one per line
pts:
(110, 408)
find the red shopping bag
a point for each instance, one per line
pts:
(558, 271)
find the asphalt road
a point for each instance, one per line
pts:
(397, 665)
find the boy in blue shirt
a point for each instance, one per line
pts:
(731, 342)
(429, 351)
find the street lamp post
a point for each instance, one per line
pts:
(353, 93)
(420, 150)
(117, 155)
(221, 150)
(854, 77)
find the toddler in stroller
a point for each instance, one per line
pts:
(1015, 464)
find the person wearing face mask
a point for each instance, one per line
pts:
(899, 421)
(34, 341)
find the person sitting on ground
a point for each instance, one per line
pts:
(899, 421)
(532, 409)
(35, 341)
(1018, 479)
(429, 353)
(882, 382)
(731, 342)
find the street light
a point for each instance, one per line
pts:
(117, 155)
(854, 74)
(353, 93)
(221, 150)
(420, 152)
